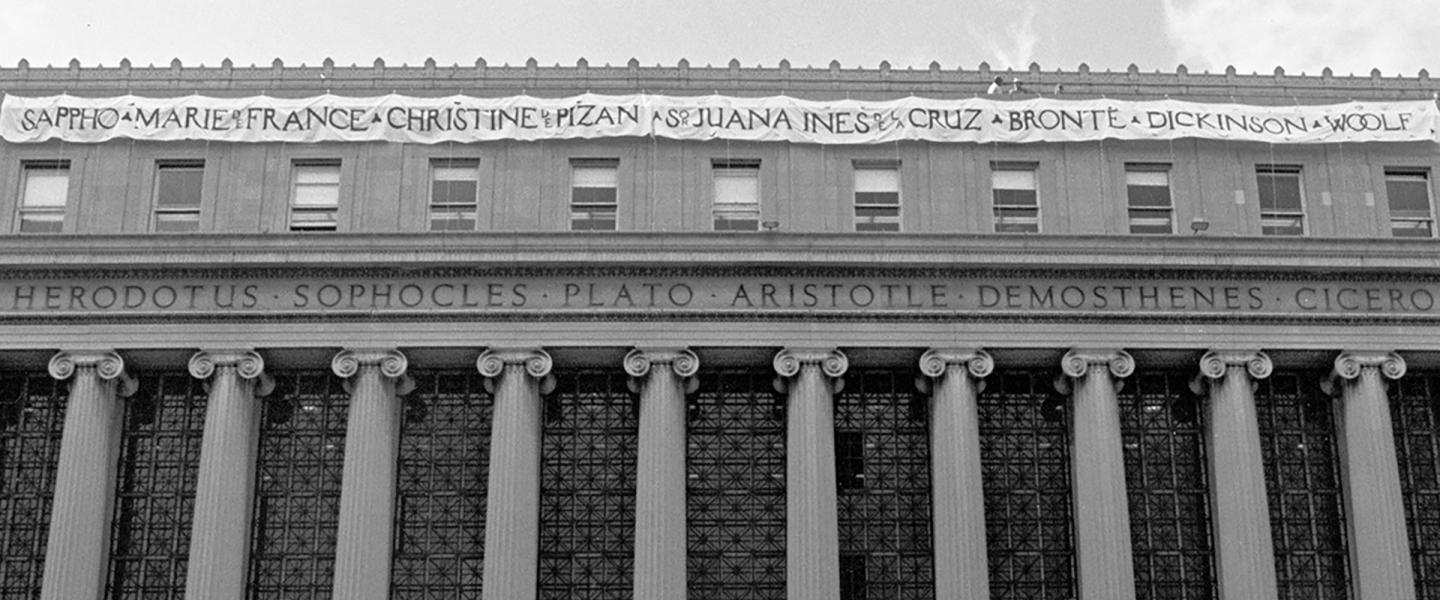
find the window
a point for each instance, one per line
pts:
(1147, 188)
(454, 185)
(1409, 194)
(42, 200)
(1282, 210)
(177, 195)
(315, 201)
(1017, 204)
(877, 197)
(593, 203)
(737, 195)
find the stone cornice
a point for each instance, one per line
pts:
(632, 249)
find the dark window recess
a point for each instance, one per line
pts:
(850, 460)
(440, 501)
(1302, 480)
(1408, 191)
(1282, 205)
(852, 577)
(178, 185)
(1415, 408)
(32, 417)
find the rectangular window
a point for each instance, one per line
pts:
(315, 199)
(593, 203)
(877, 197)
(1017, 203)
(1409, 194)
(42, 199)
(177, 195)
(850, 460)
(454, 189)
(1147, 189)
(1282, 206)
(737, 195)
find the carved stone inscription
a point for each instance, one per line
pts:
(719, 294)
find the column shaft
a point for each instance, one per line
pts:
(1244, 552)
(1105, 564)
(225, 483)
(1379, 548)
(512, 512)
(365, 534)
(78, 549)
(812, 536)
(961, 570)
(660, 534)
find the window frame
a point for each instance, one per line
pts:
(1278, 169)
(436, 165)
(738, 168)
(590, 208)
(1423, 174)
(1130, 207)
(997, 218)
(23, 210)
(296, 169)
(878, 223)
(176, 165)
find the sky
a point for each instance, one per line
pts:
(1349, 36)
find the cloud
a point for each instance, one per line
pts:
(1017, 49)
(1350, 36)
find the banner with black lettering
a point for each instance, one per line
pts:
(397, 118)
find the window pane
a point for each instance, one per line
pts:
(1008, 197)
(1279, 190)
(41, 222)
(884, 198)
(1005, 179)
(877, 180)
(1282, 224)
(1408, 192)
(317, 195)
(452, 221)
(1148, 196)
(453, 192)
(588, 196)
(178, 186)
(1150, 221)
(318, 174)
(456, 173)
(728, 223)
(46, 188)
(594, 177)
(737, 186)
(1148, 177)
(1410, 228)
(177, 222)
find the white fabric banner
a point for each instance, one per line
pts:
(462, 119)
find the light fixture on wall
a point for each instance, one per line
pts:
(770, 225)
(1198, 225)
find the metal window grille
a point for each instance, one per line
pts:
(1302, 480)
(444, 463)
(32, 417)
(1025, 462)
(1167, 485)
(587, 488)
(735, 497)
(297, 487)
(155, 487)
(885, 516)
(1413, 405)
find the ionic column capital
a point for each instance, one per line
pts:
(390, 362)
(682, 362)
(936, 362)
(247, 364)
(1351, 365)
(107, 364)
(1080, 362)
(831, 361)
(1215, 364)
(536, 362)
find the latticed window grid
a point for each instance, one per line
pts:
(1166, 481)
(735, 496)
(1416, 415)
(297, 487)
(32, 418)
(1302, 480)
(1025, 461)
(444, 463)
(885, 518)
(587, 488)
(155, 487)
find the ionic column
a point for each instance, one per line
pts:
(225, 483)
(812, 538)
(660, 540)
(517, 378)
(1240, 508)
(375, 378)
(954, 379)
(1379, 548)
(1102, 518)
(77, 552)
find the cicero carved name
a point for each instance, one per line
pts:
(719, 294)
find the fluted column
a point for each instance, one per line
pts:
(1102, 518)
(225, 483)
(662, 377)
(1379, 549)
(517, 378)
(77, 553)
(812, 538)
(375, 379)
(1239, 507)
(954, 378)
